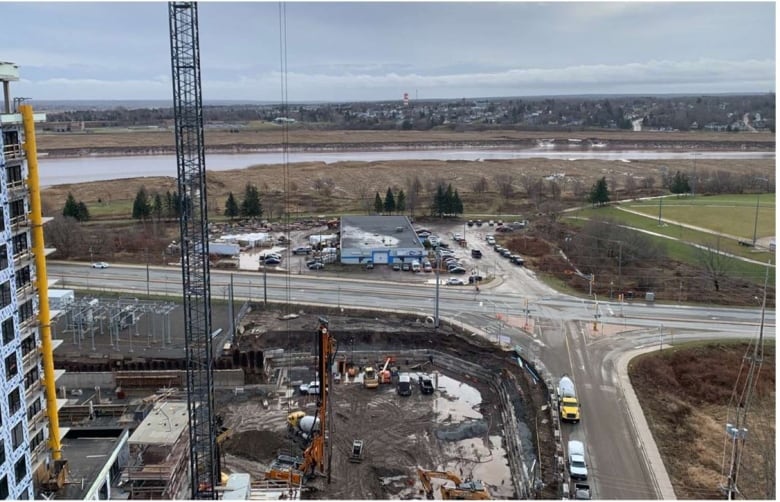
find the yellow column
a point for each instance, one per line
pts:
(36, 218)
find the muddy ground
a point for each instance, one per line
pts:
(400, 433)
(687, 396)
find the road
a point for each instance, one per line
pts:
(562, 336)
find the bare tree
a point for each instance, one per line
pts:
(648, 182)
(503, 184)
(324, 186)
(481, 185)
(65, 234)
(716, 265)
(630, 185)
(555, 190)
(578, 187)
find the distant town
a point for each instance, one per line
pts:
(716, 113)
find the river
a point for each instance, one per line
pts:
(83, 169)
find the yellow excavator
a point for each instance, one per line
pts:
(469, 490)
(293, 469)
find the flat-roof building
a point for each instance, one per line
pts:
(382, 239)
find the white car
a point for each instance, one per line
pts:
(455, 281)
(312, 387)
(100, 264)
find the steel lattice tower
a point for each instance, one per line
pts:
(193, 221)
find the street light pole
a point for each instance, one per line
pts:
(755, 223)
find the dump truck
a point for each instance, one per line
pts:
(568, 406)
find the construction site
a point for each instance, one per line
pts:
(473, 412)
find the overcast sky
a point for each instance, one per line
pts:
(378, 51)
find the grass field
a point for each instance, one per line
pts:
(716, 213)
(728, 214)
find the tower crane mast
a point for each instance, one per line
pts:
(193, 222)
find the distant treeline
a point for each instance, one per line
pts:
(709, 112)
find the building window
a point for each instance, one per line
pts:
(23, 277)
(5, 294)
(31, 377)
(20, 469)
(14, 174)
(20, 244)
(33, 410)
(4, 488)
(17, 209)
(25, 311)
(2, 452)
(28, 344)
(8, 331)
(17, 436)
(38, 439)
(14, 401)
(11, 366)
(3, 248)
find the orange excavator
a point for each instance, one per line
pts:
(470, 490)
(295, 470)
(385, 376)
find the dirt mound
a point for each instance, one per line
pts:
(261, 446)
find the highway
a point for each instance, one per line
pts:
(562, 337)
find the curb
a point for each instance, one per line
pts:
(660, 477)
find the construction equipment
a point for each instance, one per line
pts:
(370, 379)
(193, 224)
(385, 376)
(470, 490)
(314, 455)
(303, 425)
(357, 451)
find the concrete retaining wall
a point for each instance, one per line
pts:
(105, 380)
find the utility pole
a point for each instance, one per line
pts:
(755, 223)
(660, 208)
(436, 299)
(737, 431)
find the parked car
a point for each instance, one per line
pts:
(404, 387)
(406, 267)
(369, 265)
(272, 260)
(491, 223)
(302, 250)
(470, 223)
(312, 387)
(517, 259)
(455, 281)
(396, 266)
(317, 265)
(475, 278)
(426, 384)
(457, 270)
(476, 253)
(479, 223)
(506, 253)
(100, 264)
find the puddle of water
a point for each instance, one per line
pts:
(456, 400)
(486, 464)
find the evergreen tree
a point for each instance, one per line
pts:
(141, 209)
(71, 207)
(437, 208)
(82, 213)
(599, 194)
(389, 202)
(400, 202)
(457, 204)
(231, 206)
(250, 206)
(157, 207)
(679, 183)
(378, 206)
(448, 201)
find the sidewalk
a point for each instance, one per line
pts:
(661, 480)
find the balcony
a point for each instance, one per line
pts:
(13, 151)
(22, 257)
(21, 221)
(30, 358)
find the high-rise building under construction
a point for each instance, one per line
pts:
(29, 431)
